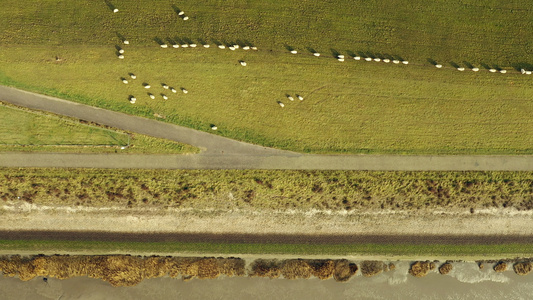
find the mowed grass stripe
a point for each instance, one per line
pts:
(350, 107)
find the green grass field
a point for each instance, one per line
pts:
(393, 251)
(26, 130)
(349, 107)
(269, 190)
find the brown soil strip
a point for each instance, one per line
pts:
(262, 239)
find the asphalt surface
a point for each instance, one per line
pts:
(223, 153)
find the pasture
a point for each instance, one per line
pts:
(68, 49)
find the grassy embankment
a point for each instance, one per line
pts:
(349, 107)
(164, 248)
(27, 130)
(269, 189)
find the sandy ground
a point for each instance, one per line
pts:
(465, 281)
(23, 216)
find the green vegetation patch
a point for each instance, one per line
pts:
(67, 49)
(393, 250)
(269, 189)
(27, 130)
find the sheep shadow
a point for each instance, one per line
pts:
(485, 66)
(176, 9)
(118, 48)
(523, 65)
(432, 61)
(351, 53)
(334, 52)
(289, 48)
(159, 41)
(120, 36)
(468, 64)
(454, 64)
(110, 5)
(311, 50)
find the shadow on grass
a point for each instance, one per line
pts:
(454, 64)
(468, 64)
(522, 65)
(432, 61)
(110, 5)
(159, 41)
(177, 10)
(334, 53)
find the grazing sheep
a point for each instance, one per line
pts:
(165, 86)
(386, 60)
(503, 71)
(146, 85)
(164, 96)
(221, 46)
(460, 69)
(124, 81)
(132, 99)
(493, 70)
(316, 54)
(115, 10)
(340, 56)
(121, 56)
(396, 61)
(528, 72)
(213, 127)
(173, 90)
(377, 59)
(243, 63)
(522, 71)
(368, 58)
(231, 48)
(294, 52)
(184, 91)
(300, 97)
(133, 76)
(438, 66)
(206, 45)
(184, 45)
(121, 51)
(281, 104)
(126, 42)
(253, 48)
(151, 96)
(192, 45)
(181, 13)
(246, 48)
(340, 59)
(290, 98)
(357, 57)
(185, 18)
(475, 69)
(405, 62)
(175, 45)
(164, 46)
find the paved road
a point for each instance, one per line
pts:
(223, 153)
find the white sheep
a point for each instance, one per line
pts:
(405, 62)
(236, 46)
(246, 48)
(133, 76)
(184, 91)
(243, 63)
(377, 59)
(213, 127)
(164, 96)
(368, 58)
(253, 48)
(396, 61)
(528, 72)
(185, 18)
(281, 104)
(316, 54)
(340, 56)
(164, 46)
(121, 51)
(192, 45)
(386, 60)
(206, 45)
(151, 96)
(146, 86)
(124, 81)
(115, 10)
(300, 97)
(121, 56)
(438, 66)
(231, 48)
(340, 59)
(503, 71)
(165, 86)
(126, 42)
(460, 69)
(132, 99)
(290, 98)
(357, 57)
(175, 45)
(184, 45)
(173, 90)
(181, 13)
(475, 69)
(221, 46)
(294, 52)
(522, 71)
(493, 70)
